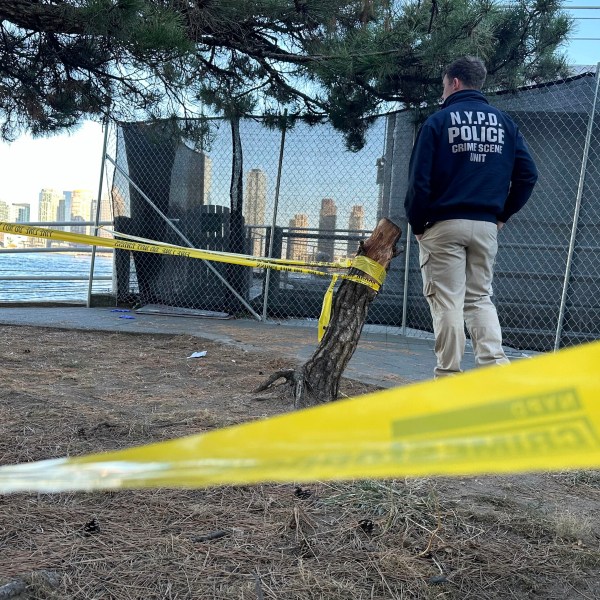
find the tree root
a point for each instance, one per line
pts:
(317, 381)
(286, 374)
(294, 378)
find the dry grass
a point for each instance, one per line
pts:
(72, 393)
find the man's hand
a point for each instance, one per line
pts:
(500, 225)
(418, 236)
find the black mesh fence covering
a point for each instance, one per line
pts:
(161, 191)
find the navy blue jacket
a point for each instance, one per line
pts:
(469, 162)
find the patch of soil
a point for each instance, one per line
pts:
(71, 393)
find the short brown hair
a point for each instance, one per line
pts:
(468, 69)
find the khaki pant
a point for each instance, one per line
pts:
(457, 259)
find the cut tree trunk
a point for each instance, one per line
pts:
(317, 381)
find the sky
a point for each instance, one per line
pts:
(73, 160)
(63, 162)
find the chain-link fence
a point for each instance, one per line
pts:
(547, 274)
(326, 202)
(305, 196)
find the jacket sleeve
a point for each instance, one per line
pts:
(523, 179)
(420, 170)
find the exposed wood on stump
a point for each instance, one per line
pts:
(317, 381)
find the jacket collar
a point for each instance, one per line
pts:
(463, 95)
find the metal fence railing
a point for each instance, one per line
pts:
(35, 270)
(305, 196)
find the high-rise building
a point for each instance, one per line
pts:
(297, 247)
(68, 196)
(21, 212)
(255, 201)
(356, 222)
(48, 205)
(61, 214)
(78, 228)
(327, 224)
(81, 206)
(4, 212)
(105, 214)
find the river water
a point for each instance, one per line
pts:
(52, 264)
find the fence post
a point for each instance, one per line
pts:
(407, 260)
(97, 219)
(406, 270)
(274, 222)
(582, 173)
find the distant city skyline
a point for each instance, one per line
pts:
(304, 180)
(66, 162)
(52, 206)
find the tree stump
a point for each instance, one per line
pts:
(317, 381)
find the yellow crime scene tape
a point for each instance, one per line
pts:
(136, 244)
(535, 415)
(157, 248)
(344, 264)
(362, 263)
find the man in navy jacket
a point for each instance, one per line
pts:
(470, 171)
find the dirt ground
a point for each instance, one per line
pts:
(68, 392)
